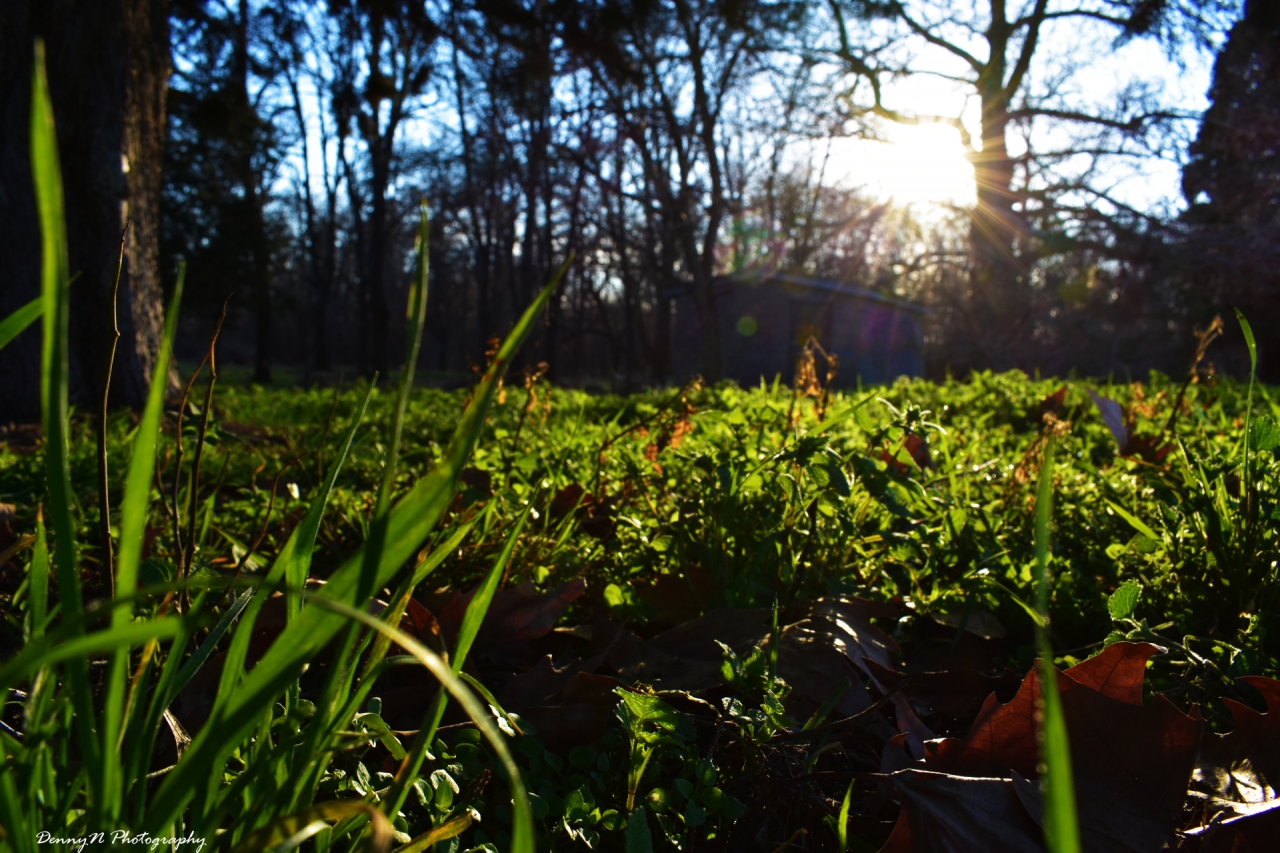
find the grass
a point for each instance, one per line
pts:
(751, 498)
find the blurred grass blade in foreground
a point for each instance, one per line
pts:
(1061, 829)
(17, 322)
(55, 287)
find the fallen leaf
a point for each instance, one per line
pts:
(952, 814)
(1253, 832)
(1052, 404)
(515, 617)
(1242, 768)
(979, 622)
(950, 696)
(1117, 671)
(1130, 759)
(543, 684)
(677, 598)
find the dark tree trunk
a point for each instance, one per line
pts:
(108, 67)
(996, 227)
(996, 224)
(255, 222)
(379, 303)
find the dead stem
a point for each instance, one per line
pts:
(104, 489)
(204, 429)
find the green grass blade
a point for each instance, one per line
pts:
(13, 819)
(17, 322)
(293, 562)
(1247, 479)
(416, 317)
(1061, 829)
(842, 822)
(138, 753)
(38, 607)
(56, 647)
(197, 660)
(1134, 522)
(294, 559)
(478, 607)
(400, 601)
(55, 288)
(416, 314)
(409, 523)
(133, 523)
(522, 835)
(1249, 341)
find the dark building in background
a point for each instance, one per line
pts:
(766, 319)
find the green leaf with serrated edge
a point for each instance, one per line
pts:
(409, 522)
(1124, 600)
(1264, 435)
(637, 836)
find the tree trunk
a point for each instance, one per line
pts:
(256, 236)
(996, 227)
(379, 304)
(108, 66)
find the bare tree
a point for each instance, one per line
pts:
(669, 73)
(994, 48)
(387, 58)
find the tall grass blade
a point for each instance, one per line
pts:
(842, 821)
(294, 559)
(133, 524)
(1061, 829)
(282, 833)
(400, 601)
(416, 314)
(17, 322)
(472, 619)
(1247, 479)
(197, 660)
(55, 288)
(476, 610)
(70, 644)
(38, 607)
(13, 822)
(293, 563)
(408, 524)
(522, 835)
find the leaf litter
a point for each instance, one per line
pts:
(1148, 776)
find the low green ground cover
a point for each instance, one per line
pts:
(917, 495)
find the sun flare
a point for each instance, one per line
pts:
(918, 164)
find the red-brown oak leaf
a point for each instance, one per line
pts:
(1130, 759)
(1117, 671)
(1242, 768)
(952, 814)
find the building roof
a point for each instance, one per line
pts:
(724, 283)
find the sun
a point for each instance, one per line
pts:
(916, 165)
